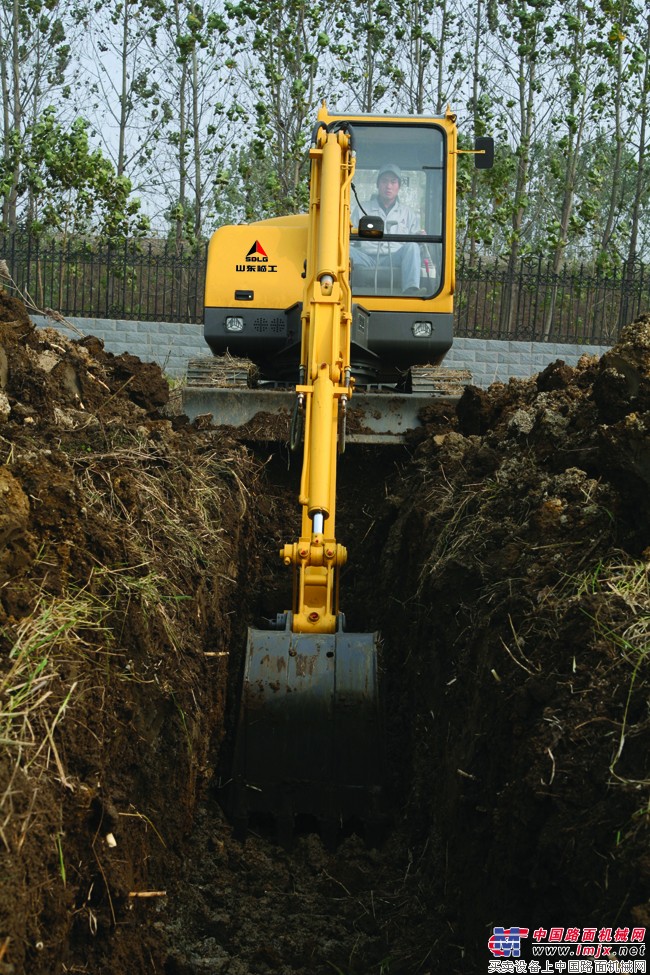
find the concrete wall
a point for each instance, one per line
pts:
(490, 360)
(172, 344)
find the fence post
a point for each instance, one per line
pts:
(640, 290)
(627, 284)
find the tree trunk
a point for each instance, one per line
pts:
(472, 202)
(121, 152)
(641, 175)
(626, 310)
(526, 114)
(615, 174)
(369, 60)
(182, 139)
(441, 91)
(577, 110)
(198, 187)
(6, 114)
(17, 121)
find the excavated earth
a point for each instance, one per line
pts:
(504, 555)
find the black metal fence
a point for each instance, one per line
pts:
(151, 280)
(578, 304)
(158, 280)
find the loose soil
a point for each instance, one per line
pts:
(504, 555)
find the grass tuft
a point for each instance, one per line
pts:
(36, 691)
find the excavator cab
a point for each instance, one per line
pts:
(402, 279)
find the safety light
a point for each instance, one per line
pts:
(234, 324)
(422, 330)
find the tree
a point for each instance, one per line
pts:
(241, 188)
(120, 41)
(431, 66)
(370, 64)
(482, 195)
(524, 40)
(36, 66)
(74, 189)
(642, 176)
(575, 54)
(620, 52)
(199, 110)
(288, 70)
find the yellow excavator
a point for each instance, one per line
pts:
(336, 307)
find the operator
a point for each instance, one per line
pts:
(398, 219)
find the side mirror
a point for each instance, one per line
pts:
(371, 227)
(484, 152)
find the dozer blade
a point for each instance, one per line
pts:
(265, 414)
(309, 740)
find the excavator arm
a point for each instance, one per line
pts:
(327, 387)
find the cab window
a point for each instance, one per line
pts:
(399, 176)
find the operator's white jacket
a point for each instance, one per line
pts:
(400, 219)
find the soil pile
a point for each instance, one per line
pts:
(504, 554)
(521, 651)
(121, 532)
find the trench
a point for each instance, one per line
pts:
(257, 906)
(416, 903)
(494, 685)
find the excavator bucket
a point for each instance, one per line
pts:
(309, 738)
